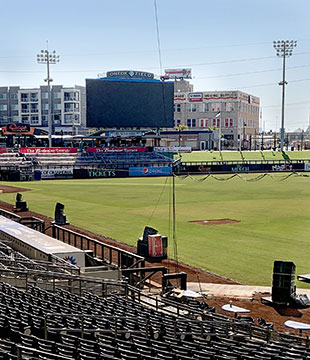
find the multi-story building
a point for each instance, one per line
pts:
(234, 114)
(31, 106)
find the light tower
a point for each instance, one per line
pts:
(46, 57)
(284, 49)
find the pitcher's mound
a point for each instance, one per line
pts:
(215, 222)
(11, 189)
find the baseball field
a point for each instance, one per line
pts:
(272, 217)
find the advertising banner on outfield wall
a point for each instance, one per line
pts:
(64, 173)
(150, 171)
(47, 150)
(241, 168)
(99, 173)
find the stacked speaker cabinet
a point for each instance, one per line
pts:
(283, 282)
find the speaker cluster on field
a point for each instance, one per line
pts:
(284, 286)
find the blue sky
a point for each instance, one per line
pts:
(228, 44)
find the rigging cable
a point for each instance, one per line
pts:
(257, 178)
(160, 195)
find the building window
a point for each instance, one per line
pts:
(14, 96)
(44, 106)
(24, 97)
(25, 108)
(25, 119)
(191, 107)
(201, 122)
(34, 120)
(14, 107)
(44, 95)
(206, 107)
(70, 96)
(178, 122)
(57, 95)
(34, 97)
(193, 122)
(178, 107)
(34, 108)
(189, 122)
(214, 122)
(218, 123)
(231, 122)
(57, 106)
(206, 122)
(70, 107)
(68, 119)
(226, 122)
(3, 107)
(3, 96)
(229, 107)
(215, 107)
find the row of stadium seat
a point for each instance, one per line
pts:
(92, 327)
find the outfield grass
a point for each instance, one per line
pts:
(274, 217)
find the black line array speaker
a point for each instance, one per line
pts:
(283, 282)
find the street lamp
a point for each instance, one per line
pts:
(244, 140)
(284, 49)
(47, 57)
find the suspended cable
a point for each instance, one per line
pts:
(159, 198)
(174, 222)
(277, 177)
(158, 38)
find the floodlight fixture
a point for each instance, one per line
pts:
(284, 49)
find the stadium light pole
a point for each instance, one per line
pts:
(46, 57)
(283, 49)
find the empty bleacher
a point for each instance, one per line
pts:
(121, 160)
(39, 324)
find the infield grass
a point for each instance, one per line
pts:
(274, 217)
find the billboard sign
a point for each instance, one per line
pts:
(177, 74)
(179, 96)
(57, 173)
(197, 96)
(99, 173)
(133, 149)
(150, 171)
(131, 74)
(48, 150)
(173, 149)
(18, 128)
